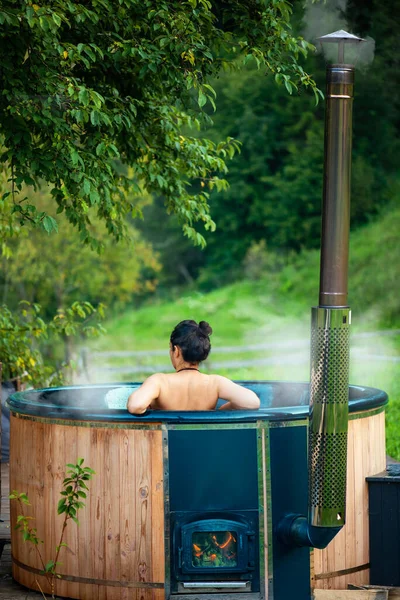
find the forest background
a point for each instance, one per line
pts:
(257, 275)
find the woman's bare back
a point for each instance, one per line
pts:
(190, 390)
(186, 390)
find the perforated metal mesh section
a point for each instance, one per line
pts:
(329, 365)
(327, 459)
(329, 394)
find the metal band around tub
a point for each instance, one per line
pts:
(107, 582)
(319, 576)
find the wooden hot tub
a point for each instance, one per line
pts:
(122, 548)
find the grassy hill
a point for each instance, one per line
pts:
(274, 312)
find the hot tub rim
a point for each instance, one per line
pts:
(367, 398)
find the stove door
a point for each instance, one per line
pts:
(216, 547)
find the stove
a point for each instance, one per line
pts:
(213, 514)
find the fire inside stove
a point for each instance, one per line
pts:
(214, 549)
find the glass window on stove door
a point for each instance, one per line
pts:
(214, 549)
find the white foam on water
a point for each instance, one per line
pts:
(118, 397)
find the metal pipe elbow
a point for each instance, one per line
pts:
(295, 530)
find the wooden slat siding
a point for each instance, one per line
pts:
(22, 482)
(349, 534)
(362, 457)
(15, 473)
(112, 501)
(69, 557)
(128, 514)
(130, 461)
(52, 482)
(345, 541)
(145, 499)
(141, 569)
(97, 509)
(48, 458)
(28, 475)
(52, 485)
(86, 449)
(157, 509)
(366, 461)
(350, 548)
(360, 440)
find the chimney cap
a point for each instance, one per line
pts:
(340, 36)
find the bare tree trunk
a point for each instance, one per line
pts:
(67, 348)
(182, 268)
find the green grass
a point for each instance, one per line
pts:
(275, 309)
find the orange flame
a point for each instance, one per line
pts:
(227, 541)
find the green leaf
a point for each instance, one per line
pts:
(74, 156)
(100, 148)
(94, 197)
(212, 102)
(202, 99)
(288, 86)
(49, 566)
(114, 149)
(83, 96)
(61, 507)
(210, 89)
(89, 470)
(94, 117)
(49, 224)
(56, 19)
(86, 186)
(97, 98)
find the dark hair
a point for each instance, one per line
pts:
(193, 339)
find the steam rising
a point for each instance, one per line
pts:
(277, 350)
(321, 18)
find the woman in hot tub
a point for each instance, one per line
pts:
(187, 388)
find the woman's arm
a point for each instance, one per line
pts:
(140, 400)
(237, 396)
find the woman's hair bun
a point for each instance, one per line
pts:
(192, 339)
(205, 328)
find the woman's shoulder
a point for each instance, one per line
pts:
(219, 378)
(220, 383)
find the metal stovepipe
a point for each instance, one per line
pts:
(337, 181)
(330, 322)
(331, 319)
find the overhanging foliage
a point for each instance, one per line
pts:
(91, 88)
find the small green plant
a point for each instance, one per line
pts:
(74, 490)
